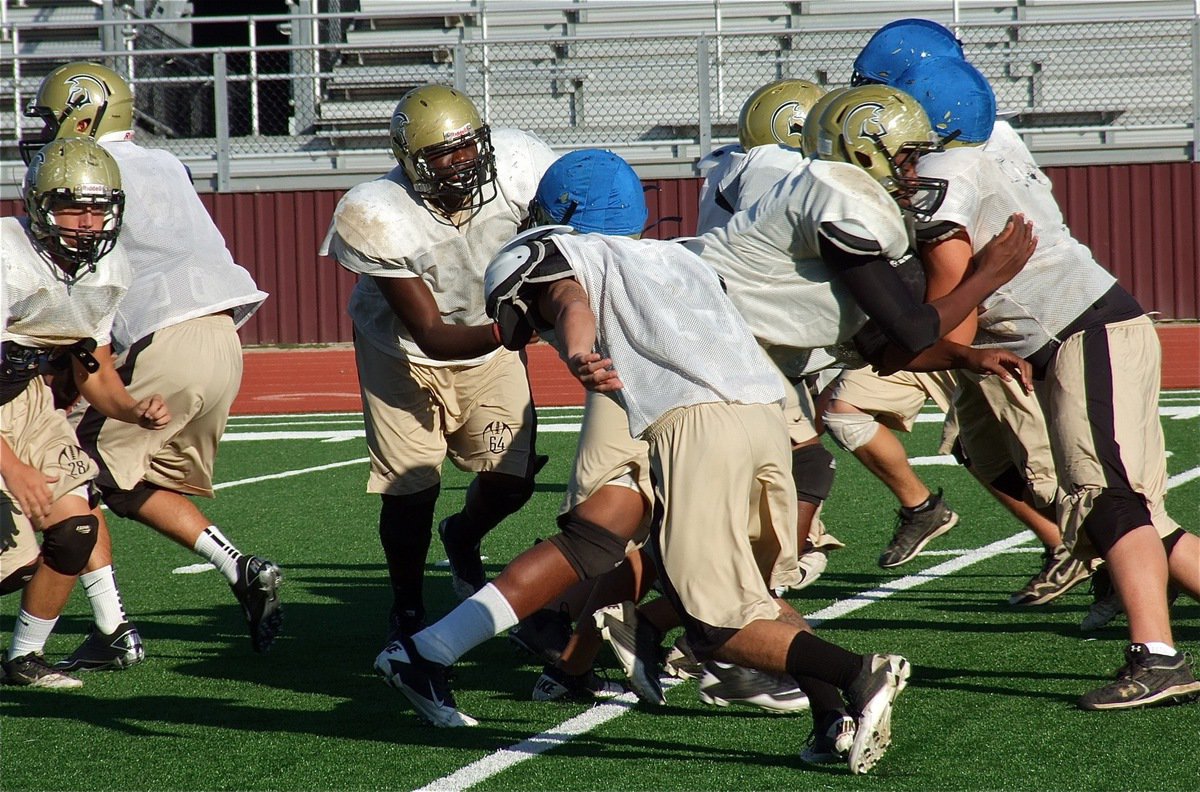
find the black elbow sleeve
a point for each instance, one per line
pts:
(885, 296)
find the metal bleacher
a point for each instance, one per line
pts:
(661, 82)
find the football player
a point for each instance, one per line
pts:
(62, 283)
(1003, 439)
(435, 380)
(771, 130)
(176, 332)
(647, 322)
(771, 134)
(1097, 363)
(604, 517)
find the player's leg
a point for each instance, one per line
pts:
(1003, 442)
(721, 546)
(68, 535)
(604, 509)
(862, 408)
(813, 469)
(491, 430)
(1102, 398)
(40, 437)
(405, 440)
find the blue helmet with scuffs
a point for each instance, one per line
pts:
(956, 96)
(898, 45)
(593, 191)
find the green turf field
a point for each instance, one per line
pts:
(990, 704)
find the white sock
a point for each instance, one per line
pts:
(486, 614)
(29, 635)
(105, 598)
(219, 551)
(1160, 648)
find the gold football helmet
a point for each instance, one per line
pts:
(776, 113)
(74, 175)
(883, 130)
(79, 99)
(445, 148)
(812, 130)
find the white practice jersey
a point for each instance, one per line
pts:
(42, 311)
(672, 334)
(739, 179)
(715, 167)
(770, 259)
(181, 267)
(1006, 145)
(1061, 279)
(383, 228)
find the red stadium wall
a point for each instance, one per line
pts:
(1141, 221)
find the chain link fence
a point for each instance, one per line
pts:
(1082, 90)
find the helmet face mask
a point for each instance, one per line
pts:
(884, 131)
(75, 203)
(445, 149)
(79, 99)
(776, 113)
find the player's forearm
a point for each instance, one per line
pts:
(105, 392)
(941, 356)
(963, 302)
(456, 342)
(576, 328)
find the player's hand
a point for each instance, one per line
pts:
(30, 487)
(1006, 253)
(1000, 362)
(152, 412)
(594, 372)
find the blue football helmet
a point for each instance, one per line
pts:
(958, 99)
(593, 191)
(898, 45)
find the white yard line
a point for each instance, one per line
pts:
(491, 765)
(290, 473)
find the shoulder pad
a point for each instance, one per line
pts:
(368, 217)
(716, 155)
(537, 232)
(517, 263)
(936, 231)
(521, 159)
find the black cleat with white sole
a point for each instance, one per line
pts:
(422, 682)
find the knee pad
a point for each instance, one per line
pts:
(813, 468)
(127, 503)
(1011, 483)
(18, 579)
(1115, 512)
(67, 545)
(850, 431)
(590, 549)
(503, 494)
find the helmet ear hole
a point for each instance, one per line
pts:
(863, 160)
(777, 113)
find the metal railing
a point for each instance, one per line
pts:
(314, 111)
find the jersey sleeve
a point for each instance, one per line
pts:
(962, 200)
(521, 159)
(854, 213)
